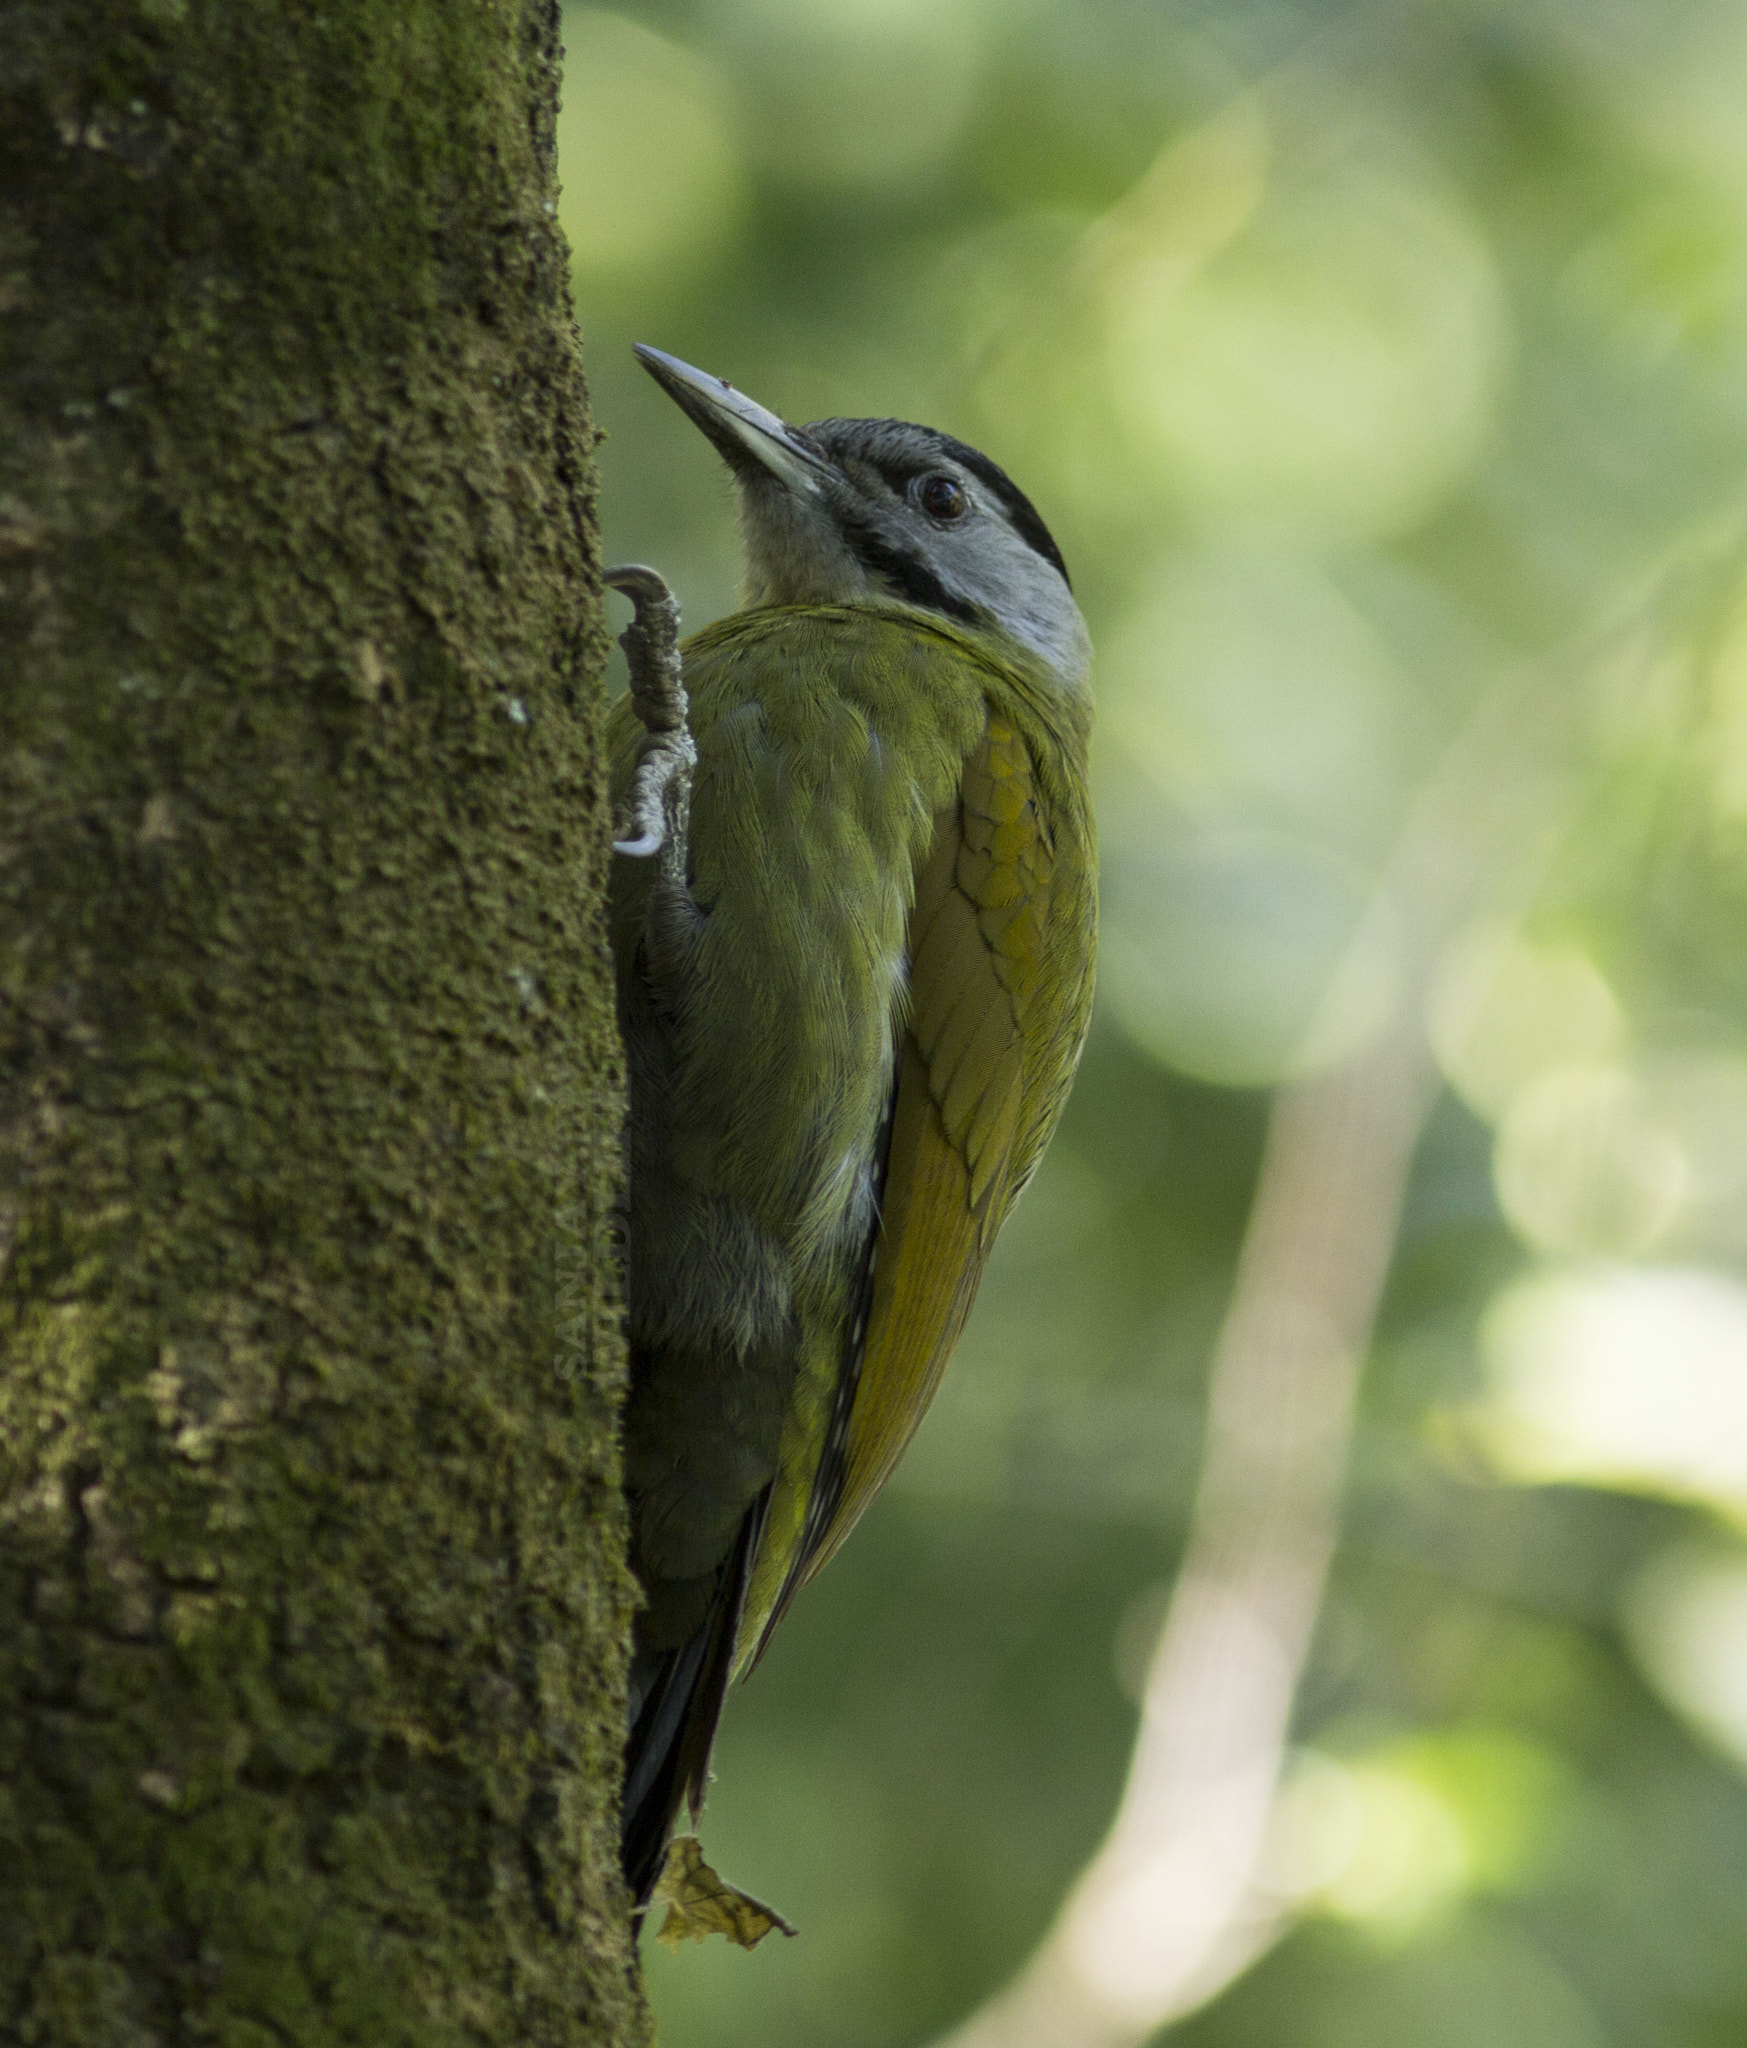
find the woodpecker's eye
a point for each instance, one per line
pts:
(941, 497)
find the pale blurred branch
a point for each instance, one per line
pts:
(1167, 1911)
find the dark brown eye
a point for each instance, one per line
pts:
(941, 498)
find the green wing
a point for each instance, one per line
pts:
(1000, 945)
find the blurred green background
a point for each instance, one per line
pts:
(1365, 361)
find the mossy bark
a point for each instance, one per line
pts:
(312, 1592)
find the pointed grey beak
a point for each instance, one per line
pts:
(747, 435)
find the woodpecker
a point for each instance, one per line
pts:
(854, 924)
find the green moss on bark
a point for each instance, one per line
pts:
(311, 1582)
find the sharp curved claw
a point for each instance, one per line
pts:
(669, 759)
(638, 581)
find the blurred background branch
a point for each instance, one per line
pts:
(1170, 1909)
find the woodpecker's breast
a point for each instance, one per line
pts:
(826, 743)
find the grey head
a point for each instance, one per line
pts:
(884, 512)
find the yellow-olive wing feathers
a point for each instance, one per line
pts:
(1001, 939)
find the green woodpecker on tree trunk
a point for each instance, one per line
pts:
(854, 930)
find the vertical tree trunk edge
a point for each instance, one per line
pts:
(313, 1597)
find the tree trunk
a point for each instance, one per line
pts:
(312, 1593)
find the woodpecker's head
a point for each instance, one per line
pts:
(879, 511)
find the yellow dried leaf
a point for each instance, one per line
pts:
(700, 1904)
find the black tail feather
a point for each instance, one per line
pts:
(667, 1753)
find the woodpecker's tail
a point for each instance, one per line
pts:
(676, 1702)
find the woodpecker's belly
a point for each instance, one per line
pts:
(739, 1277)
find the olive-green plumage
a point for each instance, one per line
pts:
(843, 1070)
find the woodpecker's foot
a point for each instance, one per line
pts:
(660, 803)
(661, 790)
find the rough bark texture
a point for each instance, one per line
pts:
(311, 1579)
